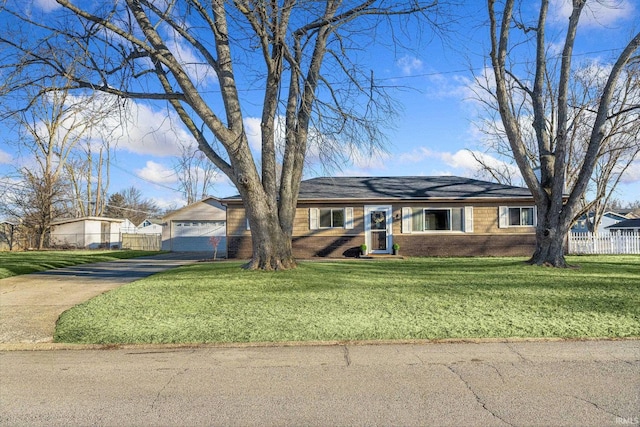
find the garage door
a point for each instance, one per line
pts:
(194, 236)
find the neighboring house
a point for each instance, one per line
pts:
(150, 226)
(191, 228)
(608, 218)
(426, 216)
(128, 227)
(626, 226)
(88, 232)
(627, 213)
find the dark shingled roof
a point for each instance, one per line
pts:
(406, 187)
(627, 223)
(403, 188)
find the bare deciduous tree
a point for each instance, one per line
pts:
(34, 203)
(196, 174)
(50, 134)
(131, 204)
(545, 141)
(296, 53)
(619, 146)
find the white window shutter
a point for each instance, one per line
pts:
(407, 220)
(313, 218)
(247, 225)
(468, 219)
(535, 216)
(503, 216)
(348, 218)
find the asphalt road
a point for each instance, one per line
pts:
(591, 383)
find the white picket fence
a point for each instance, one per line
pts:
(604, 243)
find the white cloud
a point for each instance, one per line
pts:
(254, 133)
(601, 13)
(466, 160)
(461, 159)
(150, 132)
(196, 68)
(136, 127)
(46, 5)
(155, 172)
(369, 161)
(449, 86)
(322, 153)
(5, 158)
(409, 65)
(416, 155)
(461, 163)
(171, 203)
(632, 174)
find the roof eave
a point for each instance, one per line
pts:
(397, 199)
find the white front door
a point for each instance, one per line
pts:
(378, 229)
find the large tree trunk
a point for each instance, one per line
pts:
(271, 249)
(554, 223)
(271, 244)
(549, 246)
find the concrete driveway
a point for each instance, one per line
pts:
(30, 304)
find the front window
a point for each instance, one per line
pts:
(437, 219)
(331, 218)
(521, 216)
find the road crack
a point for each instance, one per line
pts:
(514, 350)
(164, 387)
(595, 405)
(477, 397)
(347, 357)
(497, 372)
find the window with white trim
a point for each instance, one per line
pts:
(438, 219)
(331, 218)
(517, 216)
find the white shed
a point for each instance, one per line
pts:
(88, 232)
(191, 228)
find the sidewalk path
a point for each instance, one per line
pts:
(572, 383)
(30, 304)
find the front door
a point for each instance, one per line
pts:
(378, 230)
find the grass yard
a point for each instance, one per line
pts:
(419, 298)
(16, 263)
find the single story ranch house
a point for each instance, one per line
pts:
(425, 216)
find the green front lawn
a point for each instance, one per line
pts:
(420, 298)
(16, 263)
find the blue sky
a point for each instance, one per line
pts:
(431, 136)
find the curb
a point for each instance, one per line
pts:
(51, 346)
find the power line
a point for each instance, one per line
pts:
(434, 73)
(142, 178)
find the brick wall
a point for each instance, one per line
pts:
(466, 244)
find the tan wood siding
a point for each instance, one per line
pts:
(301, 221)
(236, 221)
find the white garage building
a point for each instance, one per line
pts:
(89, 232)
(191, 228)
